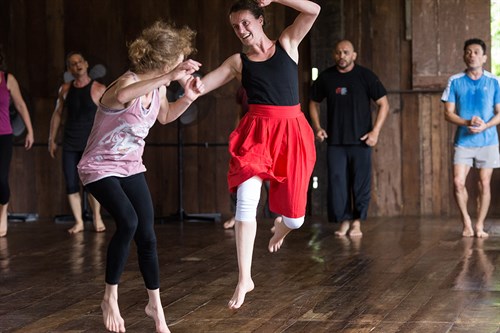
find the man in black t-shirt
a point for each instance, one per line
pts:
(349, 90)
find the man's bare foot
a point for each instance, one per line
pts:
(159, 318)
(111, 317)
(229, 223)
(280, 231)
(355, 230)
(480, 233)
(239, 294)
(344, 227)
(467, 231)
(99, 226)
(78, 227)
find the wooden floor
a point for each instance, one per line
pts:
(405, 275)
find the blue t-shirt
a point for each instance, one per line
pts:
(474, 98)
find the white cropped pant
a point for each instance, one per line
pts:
(248, 197)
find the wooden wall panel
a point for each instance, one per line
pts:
(386, 36)
(410, 154)
(412, 163)
(328, 29)
(437, 54)
(55, 41)
(49, 186)
(439, 30)
(426, 155)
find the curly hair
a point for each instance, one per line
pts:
(160, 45)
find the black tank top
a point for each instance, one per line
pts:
(80, 111)
(273, 81)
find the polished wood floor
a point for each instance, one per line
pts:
(404, 275)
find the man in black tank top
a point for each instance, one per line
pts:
(350, 135)
(78, 99)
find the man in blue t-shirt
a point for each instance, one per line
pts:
(472, 102)
(349, 90)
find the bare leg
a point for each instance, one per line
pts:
(245, 238)
(280, 232)
(76, 208)
(484, 200)
(344, 227)
(154, 310)
(110, 310)
(355, 230)
(460, 172)
(229, 223)
(3, 220)
(96, 212)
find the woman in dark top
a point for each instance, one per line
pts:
(273, 140)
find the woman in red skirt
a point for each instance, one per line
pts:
(273, 141)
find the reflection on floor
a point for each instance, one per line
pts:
(404, 275)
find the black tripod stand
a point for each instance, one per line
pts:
(181, 214)
(175, 91)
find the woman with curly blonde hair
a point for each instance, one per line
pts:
(111, 166)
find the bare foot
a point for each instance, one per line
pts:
(159, 318)
(468, 232)
(344, 227)
(111, 317)
(280, 231)
(355, 230)
(78, 227)
(480, 233)
(239, 294)
(229, 223)
(99, 226)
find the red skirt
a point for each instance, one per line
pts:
(275, 143)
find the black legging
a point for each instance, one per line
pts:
(5, 158)
(70, 160)
(128, 200)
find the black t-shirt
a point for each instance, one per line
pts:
(348, 97)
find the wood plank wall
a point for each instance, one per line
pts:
(37, 36)
(412, 170)
(413, 46)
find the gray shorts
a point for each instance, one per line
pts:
(487, 157)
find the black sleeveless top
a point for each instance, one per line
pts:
(273, 81)
(80, 111)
